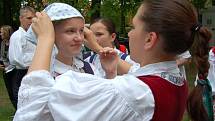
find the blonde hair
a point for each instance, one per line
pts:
(7, 30)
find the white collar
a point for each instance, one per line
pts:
(61, 68)
(167, 70)
(22, 29)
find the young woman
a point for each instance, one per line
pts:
(6, 32)
(105, 32)
(162, 30)
(105, 36)
(69, 36)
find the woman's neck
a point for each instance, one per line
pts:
(156, 59)
(68, 60)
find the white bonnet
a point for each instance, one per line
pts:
(60, 11)
(56, 11)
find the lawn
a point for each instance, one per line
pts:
(7, 110)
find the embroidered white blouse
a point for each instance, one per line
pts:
(76, 96)
(21, 51)
(211, 72)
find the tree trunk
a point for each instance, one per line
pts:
(7, 12)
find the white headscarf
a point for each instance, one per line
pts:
(56, 11)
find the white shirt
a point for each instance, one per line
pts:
(60, 68)
(21, 51)
(76, 96)
(211, 72)
(96, 62)
(184, 55)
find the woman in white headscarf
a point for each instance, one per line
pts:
(69, 35)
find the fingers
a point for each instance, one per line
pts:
(39, 15)
(107, 50)
(41, 23)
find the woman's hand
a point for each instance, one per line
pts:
(109, 61)
(44, 30)
(90, 40)
(43, 27)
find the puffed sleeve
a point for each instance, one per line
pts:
(84, 97)
(75, 96)
(33, 97)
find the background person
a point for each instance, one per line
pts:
(6, 32)
(20, 50)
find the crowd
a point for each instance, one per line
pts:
(49, 76)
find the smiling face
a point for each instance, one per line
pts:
(69, 36)
(103, 37)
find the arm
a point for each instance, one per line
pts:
(91, 41)
(123, 66)
(42, 56)
(109, 61)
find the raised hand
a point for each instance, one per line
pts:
(90, 40)
(109, 61)
(42, 26)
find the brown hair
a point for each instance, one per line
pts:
(175, 21)
(8, 30)
(111, 28)
(200, 50)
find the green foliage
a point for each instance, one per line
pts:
(199, 4)
(120, 13)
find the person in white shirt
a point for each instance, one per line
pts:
(21, 51)
(211, 72)
(142, 96)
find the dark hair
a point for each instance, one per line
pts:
(175, 21)
(172, 20)
(111, 28)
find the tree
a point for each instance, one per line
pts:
(95, 7)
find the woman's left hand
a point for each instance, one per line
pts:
(109, 61)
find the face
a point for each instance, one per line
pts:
(103, 37)
(137, 36)
(26, 19)
(69, 36)
(3, 34)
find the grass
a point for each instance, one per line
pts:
(7, 110)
